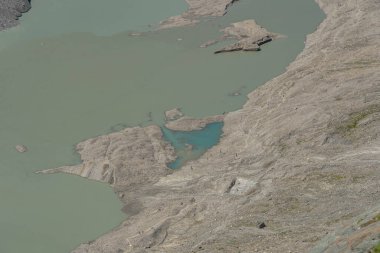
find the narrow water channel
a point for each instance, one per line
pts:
(67, 75)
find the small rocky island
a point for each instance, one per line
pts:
(249, 34)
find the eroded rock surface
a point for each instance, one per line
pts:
(130, 157)
(10, 11)
(197, 9)
(173, 114)
(249, 34)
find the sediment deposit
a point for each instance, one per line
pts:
(301, 157)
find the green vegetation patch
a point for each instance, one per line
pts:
(376, 248)
(355, 118)
(371, 221)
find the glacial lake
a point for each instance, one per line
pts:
(71, 71)
(190, 145)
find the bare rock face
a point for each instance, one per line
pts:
(246, 29)
(249, 34)
(242, 186)
(197, 9)
(173, 114)
(129, 157)
(10, 11)
(191, 124)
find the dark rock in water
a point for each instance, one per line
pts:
(253, 47)
(23, 5)
(264, 40)
(232, 48)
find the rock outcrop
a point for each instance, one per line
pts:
(173, 114)
(191, 124)
(196, 10)
(129, 157)
(249, 34)
(10, 11)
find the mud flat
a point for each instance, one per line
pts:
(130, 157)
(301, 156)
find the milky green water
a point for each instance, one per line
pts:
(190, 145)
(71, 72)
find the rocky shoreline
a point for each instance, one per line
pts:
(10, 11)
(249, 34)
(301, 157)
(196, 10)
(177, 121)
(122, 159)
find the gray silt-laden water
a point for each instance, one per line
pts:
(11, 10)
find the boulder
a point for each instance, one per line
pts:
(21, 148)
(173, 114)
